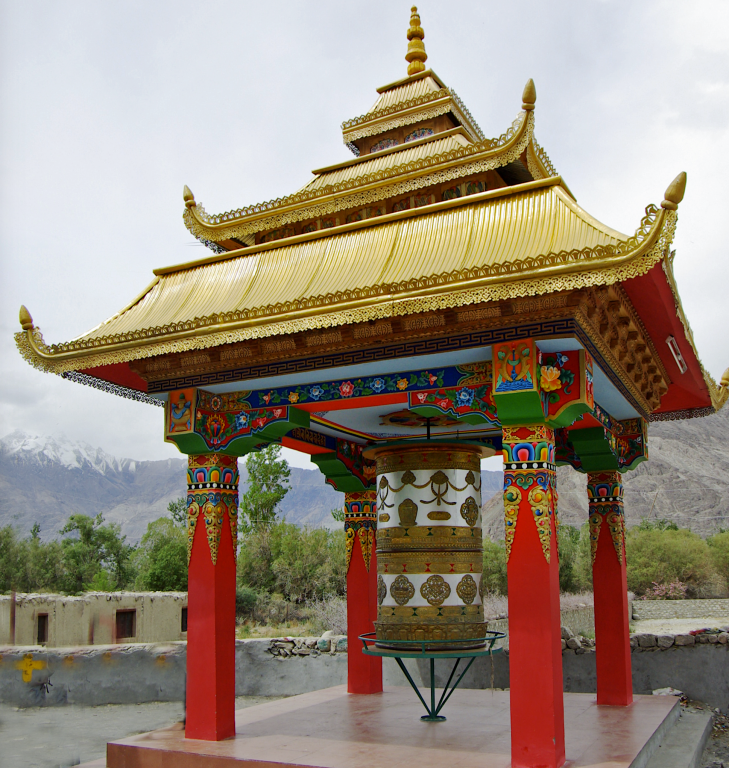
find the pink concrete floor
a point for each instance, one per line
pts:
(334, 729)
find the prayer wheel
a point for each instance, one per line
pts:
(429, 546)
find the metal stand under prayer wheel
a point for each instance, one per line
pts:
(429, 547)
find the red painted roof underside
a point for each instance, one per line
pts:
(652, 297)
(118, 373)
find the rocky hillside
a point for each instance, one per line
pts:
(686, 480)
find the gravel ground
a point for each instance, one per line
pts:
(716, 754)
(676, 626)
(57, 737)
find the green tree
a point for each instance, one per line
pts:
(178, 511)
(12, 558)
(667, 554)
(719, 548)
(268, 477)
(44, 564)
(299, 563)
(494, 567)
(161, 558)
(91, 546)
(30, 565)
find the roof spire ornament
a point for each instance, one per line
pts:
(529, 96)
(416, 55)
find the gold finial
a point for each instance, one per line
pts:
(26, 321)
(675, 192)
(188, 197)
(725, 379)
(416, 55)
(529, 96)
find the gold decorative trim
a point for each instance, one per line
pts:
(371, 123)
(604, 265)
(540, 502)
(245, 221)
(512, 502)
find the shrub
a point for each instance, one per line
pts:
(245, 601)
(330, 613)
(673, 591)
(666, 555)
(719, 549)
(494, 567)
(568, 540)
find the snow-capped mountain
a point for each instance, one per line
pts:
(61, 450)
(46, 479)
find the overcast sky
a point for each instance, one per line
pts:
(109, 108)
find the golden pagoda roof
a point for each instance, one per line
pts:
(379, 176)
(516, 241)
(394, 157)
(411, 100)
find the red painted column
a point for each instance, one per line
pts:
(535, 647)
(212, 526)
(364, 673)
(610, 585)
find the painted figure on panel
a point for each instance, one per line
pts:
(180, 411)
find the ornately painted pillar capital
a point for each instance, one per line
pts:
(212, 489)
(364, 673)
(610, 585)
(212, 527)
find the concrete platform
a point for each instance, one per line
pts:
(333, 729)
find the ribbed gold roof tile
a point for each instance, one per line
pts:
(505, 230)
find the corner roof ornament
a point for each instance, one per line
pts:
(416, 55)
(529, 96)
(675, 192)
(188, 197)
(26, 321)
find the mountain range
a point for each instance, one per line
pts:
(45, 479)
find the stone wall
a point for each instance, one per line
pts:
(91, 618)
(679, 609)
(136, 673)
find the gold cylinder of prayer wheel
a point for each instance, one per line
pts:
(429, 546)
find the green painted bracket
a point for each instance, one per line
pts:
(595, 448)
(193, 443)
(338, 475)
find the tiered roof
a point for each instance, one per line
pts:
(430, 215)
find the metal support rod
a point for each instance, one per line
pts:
(432, 687)
(411, 681)
(442, 702)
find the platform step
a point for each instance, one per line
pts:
(684, 743)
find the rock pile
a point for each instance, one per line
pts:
(572, 643)
(286, 647)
